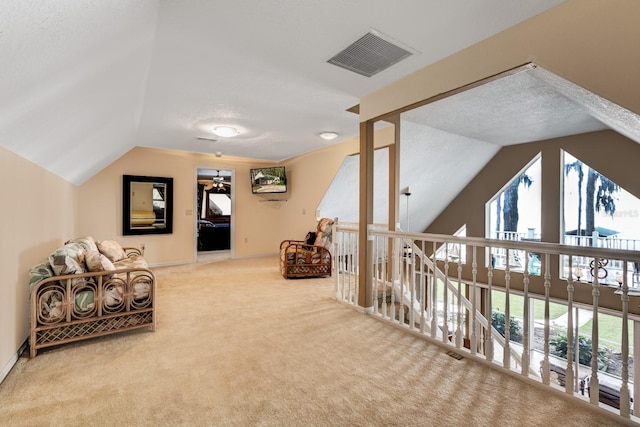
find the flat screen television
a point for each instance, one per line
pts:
(268, 180)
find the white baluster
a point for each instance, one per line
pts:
(576, 338)
(434, 294)
(459, 305)
(506, 357)
(423, 289)
(403, 278)
(525, 332)
(385, 277)
(547, 287)
(488, 344)
(474, 273)
(375, 273)
(571, 383)
(351, 272)
(356, 288)
(394, 275)
(412, 283)
(594, 382)
(445, 320)
(338, 271)
(625, 409)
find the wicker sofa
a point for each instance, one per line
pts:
(87, 289)
(310, 257)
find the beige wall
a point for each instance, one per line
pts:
(260, 224)
(100, 205)
(37, 216)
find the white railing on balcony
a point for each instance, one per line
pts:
(448, 300)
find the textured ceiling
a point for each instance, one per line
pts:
(528, 104)
(85, 81)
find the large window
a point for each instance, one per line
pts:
(514, 214)
(597, 212)
(597, 208)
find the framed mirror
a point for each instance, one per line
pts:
(147, 205)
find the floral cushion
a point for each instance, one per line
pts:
(324, 233)
(51, 306)
(325, 225)
(39, 272)
(97, 262)
(141, 288)
(112, 250)
(85, 301)
(87, 243)
(134, 261)
(68, 259)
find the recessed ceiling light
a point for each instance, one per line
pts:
(328, 135)
(225, 131)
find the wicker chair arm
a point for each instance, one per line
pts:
(130, 251)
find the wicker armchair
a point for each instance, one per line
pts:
(310, 257)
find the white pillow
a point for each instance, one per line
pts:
(97, 262)
(112, 250)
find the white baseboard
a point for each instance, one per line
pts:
(170, 264)
(12, 362)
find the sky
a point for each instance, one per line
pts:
(625, 220)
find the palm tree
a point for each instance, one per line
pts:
(602, 200)
(577, 166)
(498, 214)
(510, 205)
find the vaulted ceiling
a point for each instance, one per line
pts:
(86, 81)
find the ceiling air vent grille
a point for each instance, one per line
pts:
(369, 55)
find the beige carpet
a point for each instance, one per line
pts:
(237, 345)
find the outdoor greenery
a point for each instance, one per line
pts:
(510, 204)
(498, 322)
(516, 306)
(560, 348)
(609, 331)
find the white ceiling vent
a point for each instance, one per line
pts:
(370, 54)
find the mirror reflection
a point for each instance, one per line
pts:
(147, 205)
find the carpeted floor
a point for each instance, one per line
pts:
(237, 345)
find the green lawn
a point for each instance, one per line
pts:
(516, 306)
(609, 331)
(610, 327)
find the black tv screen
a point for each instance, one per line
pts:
(268, 180)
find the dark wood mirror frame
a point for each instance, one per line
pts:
(147, 205)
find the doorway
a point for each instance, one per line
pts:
(214, 218)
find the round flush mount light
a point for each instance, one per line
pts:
(225, 131)
(328, 135)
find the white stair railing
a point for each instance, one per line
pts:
(407, 274)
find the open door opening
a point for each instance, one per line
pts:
(214, 189)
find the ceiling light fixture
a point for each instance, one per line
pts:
(226, 131)
(328, 135)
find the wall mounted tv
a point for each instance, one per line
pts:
(268, 180)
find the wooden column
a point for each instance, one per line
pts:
(365, 267)
(394, 188)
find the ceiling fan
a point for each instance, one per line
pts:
(217, 183)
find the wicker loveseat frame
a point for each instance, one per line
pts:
(73, 307)
(299, 258)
